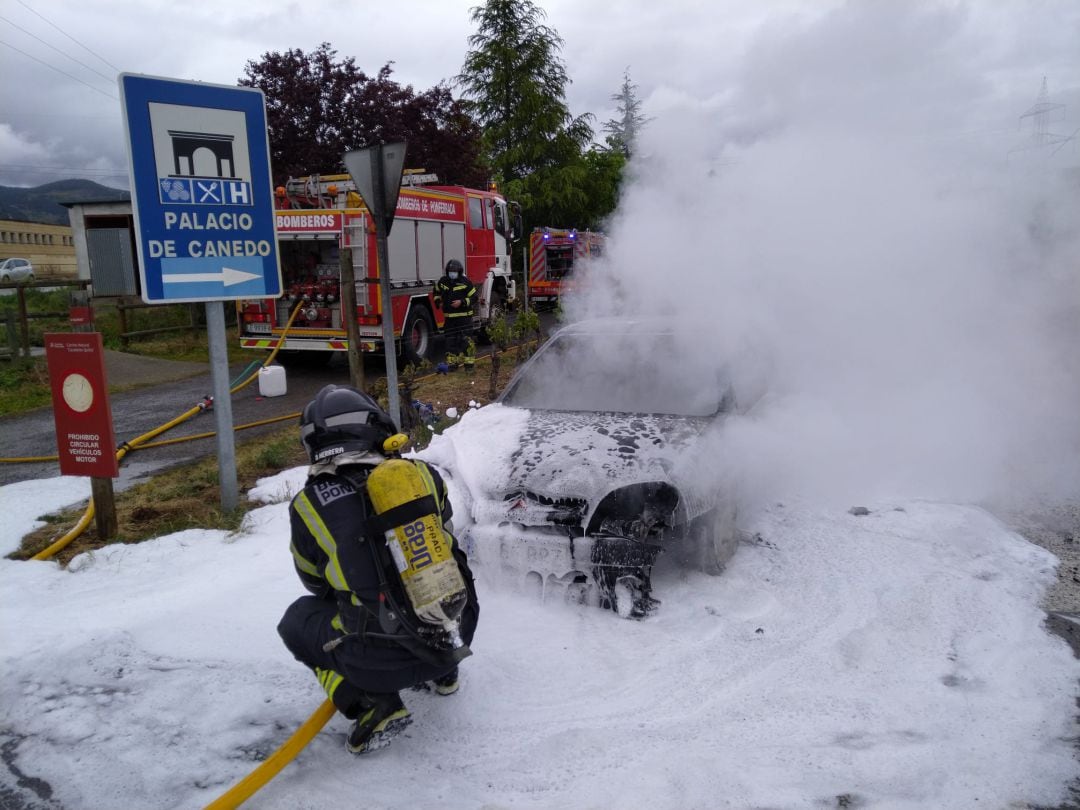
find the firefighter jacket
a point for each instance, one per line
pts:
(333, 549)
(447, 292)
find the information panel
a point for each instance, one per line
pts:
(84, 426)
(201, 190)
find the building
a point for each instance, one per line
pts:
(50, 248)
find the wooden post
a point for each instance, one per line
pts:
(24, 320)
(104, 507)
(348, 315)
(12, 336)
(122, 311)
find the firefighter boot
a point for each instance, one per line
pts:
(447, 684)
(382, 717)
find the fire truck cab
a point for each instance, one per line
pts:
(557, 259)
(321, 222)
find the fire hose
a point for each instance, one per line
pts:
(142, 440)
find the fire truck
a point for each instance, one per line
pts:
(319, 217)
(557, 258)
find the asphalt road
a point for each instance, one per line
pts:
(165, 389)
(169, 389)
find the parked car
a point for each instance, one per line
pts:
(16, 270)
(604, 451)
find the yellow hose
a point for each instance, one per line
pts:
(209, 433)
(139, 441)
(246, 787)
(78, 529)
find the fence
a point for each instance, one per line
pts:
(16, 323)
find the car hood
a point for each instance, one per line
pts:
(586, 455)
(535, 467)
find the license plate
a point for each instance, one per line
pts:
(259, 328)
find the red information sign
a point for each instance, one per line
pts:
(84, 427)
(79, 315)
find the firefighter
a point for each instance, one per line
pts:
(455, 295)
(362, 653)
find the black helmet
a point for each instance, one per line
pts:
(454, 266)
(342, 419)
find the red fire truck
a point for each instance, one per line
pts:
(319, 217)
(556, 260)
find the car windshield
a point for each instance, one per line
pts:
(620, 373)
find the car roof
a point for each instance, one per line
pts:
(620, 326)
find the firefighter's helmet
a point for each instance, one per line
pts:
(454, 266)
(341, 419)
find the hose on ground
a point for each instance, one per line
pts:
(246, 787)
(139, 441)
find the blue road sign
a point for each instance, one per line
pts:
(201, 190)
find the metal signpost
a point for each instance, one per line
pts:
(376, 171)
(202, 200)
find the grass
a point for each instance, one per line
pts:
(188, 497)
(24, 385)
(24, 382)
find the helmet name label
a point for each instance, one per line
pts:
(327, 452)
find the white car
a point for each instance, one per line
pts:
(16, 270)
(605, 450)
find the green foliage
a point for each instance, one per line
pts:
(466, 358)
(526, 324)
(515, 85)
(500, 333)
(319, 106)
(24, 384)
(623, 131)
(275, 453)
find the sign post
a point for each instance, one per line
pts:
(377, 171)
(203, 206)
(85, 439)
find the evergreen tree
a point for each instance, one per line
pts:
(623, 131)
(515, 83)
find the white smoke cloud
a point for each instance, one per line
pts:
(911, 294)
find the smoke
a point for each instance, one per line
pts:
(899, 299)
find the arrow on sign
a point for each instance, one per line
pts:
(228, 276)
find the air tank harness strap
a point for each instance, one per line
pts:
(405, 513)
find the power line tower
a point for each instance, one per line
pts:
(1040, 114)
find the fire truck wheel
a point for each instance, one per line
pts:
(417, 334)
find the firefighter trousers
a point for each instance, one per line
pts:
(458, 329)
(358, 664)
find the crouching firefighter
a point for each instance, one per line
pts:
(392, 603)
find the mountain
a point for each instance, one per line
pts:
(43, 203)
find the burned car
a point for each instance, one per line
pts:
(604, 451)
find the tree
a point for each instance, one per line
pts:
(318, 107)
(515, 85)
(623, 131)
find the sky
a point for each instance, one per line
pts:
(896, 660)
(60, 114)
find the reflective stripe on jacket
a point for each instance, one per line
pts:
(447, 291)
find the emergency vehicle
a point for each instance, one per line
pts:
(557, 258)
(317, 218)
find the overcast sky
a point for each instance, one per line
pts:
(60, 113)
